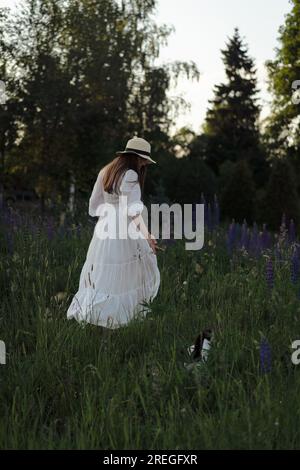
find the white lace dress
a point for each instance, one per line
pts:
(119, 275)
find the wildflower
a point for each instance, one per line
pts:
(254, 243)
(231, 237)
(270, 273)
(265, 356)
(295, 267)
(283, 231)
(292, 231)
(259, 247)
(244, 236)
(255, 228)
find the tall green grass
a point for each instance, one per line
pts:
(71, 386)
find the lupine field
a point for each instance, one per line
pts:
(72, 386)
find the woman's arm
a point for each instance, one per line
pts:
(139, 222)
(131, 189)
(97, 196)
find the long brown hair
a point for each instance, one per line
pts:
(113, 171)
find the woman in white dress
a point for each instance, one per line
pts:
(120, 275)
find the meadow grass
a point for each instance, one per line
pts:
(71, 386)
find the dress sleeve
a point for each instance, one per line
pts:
(130, 187)
(97, 197)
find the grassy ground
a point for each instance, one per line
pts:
(68, 386)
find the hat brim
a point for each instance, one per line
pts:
(136, 153)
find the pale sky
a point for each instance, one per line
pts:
(201, 30)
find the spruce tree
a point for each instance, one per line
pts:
(232, 120)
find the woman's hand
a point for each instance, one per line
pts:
(152, 242)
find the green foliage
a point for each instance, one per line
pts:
(83, 74)
(238, 198)
(281, 195)
(284, 72)
(226, 171)
(186, 178)
(192, 178)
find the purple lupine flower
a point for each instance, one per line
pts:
(255, 229)
(283, 230)
(248, 236)
(270, 273)
(292, 232)
(244, 235)
(234, 229)
(238, 230)
(216, 211)
(253, 243)
(265, 356)
(230, 239)
(295, 267)
(259, 247)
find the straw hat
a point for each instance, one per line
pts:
(140, 147)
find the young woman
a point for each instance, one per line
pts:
(120, 274)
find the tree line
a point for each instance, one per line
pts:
(80, 80)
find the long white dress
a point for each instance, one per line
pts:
(119, 276)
